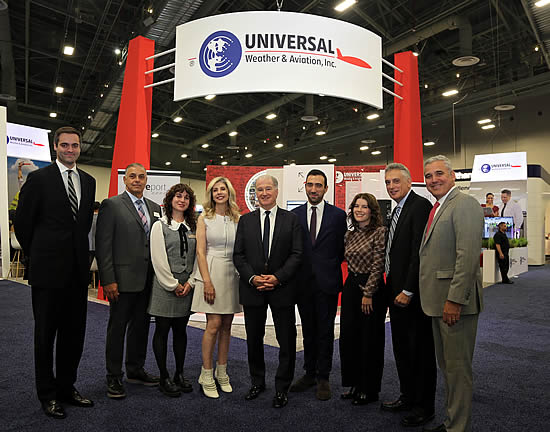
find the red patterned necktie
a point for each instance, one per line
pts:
(431, 218)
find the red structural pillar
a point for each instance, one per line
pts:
(133, 133)
(407, 133)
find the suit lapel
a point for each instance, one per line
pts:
(402, 216)
(325, 222)
(257, 226)
(131, 207)
(438, 215)
(84, 192)
(60, 186)
(279, 221)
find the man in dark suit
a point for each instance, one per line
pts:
(411, 329)
(450, 287)
(125, 271)
(267, 254)
(53, 219)
(320, 279)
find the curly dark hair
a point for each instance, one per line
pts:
(188, 214)
(375, 213)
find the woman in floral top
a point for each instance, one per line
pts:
(363, 311)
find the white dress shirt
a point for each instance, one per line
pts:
(143, 206)
(513, 209)
(272, 217)
(320, 210)
(75, 177)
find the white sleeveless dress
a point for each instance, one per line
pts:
(220, 239)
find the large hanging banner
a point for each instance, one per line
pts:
(250, 52)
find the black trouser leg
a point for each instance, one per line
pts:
(138, 333)
(284, 320)
(160, 343)
(350, 311)
(179, 333)
(504, 266)
(119, 315)
(326, 306)
(254, 321)
(306, 308)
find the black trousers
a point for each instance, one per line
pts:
(413, 348)
(60, 317)
(179, 342)
(362, 338)
(284, 320)
(317, 313)
(128, 319)
(504, 266)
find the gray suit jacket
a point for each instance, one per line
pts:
(449, 257)
(122, 248)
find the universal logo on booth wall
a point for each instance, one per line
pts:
(23, 141)
(222, 51)
(485, 168)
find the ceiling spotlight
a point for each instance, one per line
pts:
(150, 10)
(373, 116)
(376, 152)
(505, 107)
(415, 54)
(59, 89)
(332, 159)
(425, 86)
(53, 115)
(489, 126)
(68, 50)
(178, 119)
(120, 63)
(458, 75)
(205, 169)
(233, 133)
(323, 157)
(248, 155)
(368, 141)
(117, 51)
(364, 148)
(101, 95)
(542, 3)
(271, 116)
(536, 48)
(343, 5)
(279, 145)
(450, 93)
(484, 121)
(205, 145)
(224, 163)
(304, 128)
(210, 97)
(155, 135)
(429, 143)
(321, 94)
(167, 163)
(320, 132)
(183, 155)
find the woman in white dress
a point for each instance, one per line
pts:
(216, 281)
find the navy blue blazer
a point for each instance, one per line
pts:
(321, 263)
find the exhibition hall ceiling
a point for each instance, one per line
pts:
(510, 39)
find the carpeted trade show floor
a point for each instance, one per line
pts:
(511, 368)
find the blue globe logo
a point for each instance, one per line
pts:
(220, 54)
(485, 168)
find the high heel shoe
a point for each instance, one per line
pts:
(222, 378)
(208, 385)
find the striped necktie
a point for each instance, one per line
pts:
(142, 217)
(73, 199)
(394, 219)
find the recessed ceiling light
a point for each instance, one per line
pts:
(292, 163)
(210, 97)
(233, 133)
(101, 95)
(484, 121)
(368, 141)
(271, 116)
(120, 63)
(117, 51)
(155, 135)
(224, 163)
(373, 116)
(376, 152)
(68, 50)
(59, 89)
(279, 145)
(178, 119)
(53, 115)
(429, 143)
(364, 148)
(321, 132)
(321, 94)
(184, 155)
(450, 93)
(167, 163)
(332, 159)
(205, 145)
(505, 107)
(458, 75)
(425, 86)
(323, 157)
(489, 126)
(542, 3)
(415, 54)
(248, 155)
(536, 48)
(343, 5)
(205, 169)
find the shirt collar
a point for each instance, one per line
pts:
(63, 168)
(402, 202)
(444, 197)
(134, 198)
(174, 226)
(273, 211)
(320, 206)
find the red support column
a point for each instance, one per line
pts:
(407, 129)
(133, 134)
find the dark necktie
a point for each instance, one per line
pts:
(431, 217)
(73, 200)
(503, 208)
(393, 224)
(142, 216)
(313, 225)
(184, 247)
(266, 235)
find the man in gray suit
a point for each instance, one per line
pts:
(125, 271)
(450, 286)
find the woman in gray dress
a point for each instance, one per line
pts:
(173, 244)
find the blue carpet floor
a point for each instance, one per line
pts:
(511, 373)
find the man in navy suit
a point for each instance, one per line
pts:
(52, 222)
(323, 229)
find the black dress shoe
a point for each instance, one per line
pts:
(415, 420)
(280, 400)
(115, 388)
(182, 383)
(323, 390)
(440, 428)
(76, 399)
(144, 378)
(254, 392)
(167, 387)
(508, 282)
(303, 384)
(349, 394)
(395, 406)
(53, 408)
(361, 398)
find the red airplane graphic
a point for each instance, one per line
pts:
(352, 60)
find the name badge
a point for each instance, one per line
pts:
(156, 214)
(192, 236)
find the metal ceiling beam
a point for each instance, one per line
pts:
(531, 19)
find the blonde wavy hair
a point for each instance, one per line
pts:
(232, 211)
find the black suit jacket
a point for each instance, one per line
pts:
(404, 253)
(323, 260)
(56, 244)
(284, 258)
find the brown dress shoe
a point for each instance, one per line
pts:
(323, 390)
